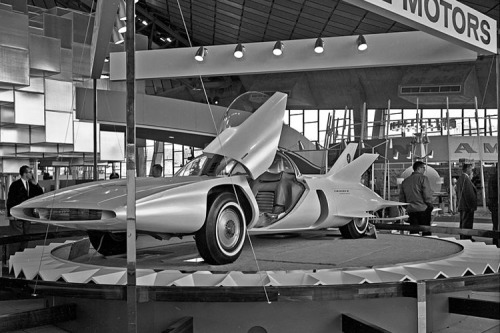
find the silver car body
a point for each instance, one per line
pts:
(179, 205)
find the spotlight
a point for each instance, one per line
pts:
(431, 154)
(278, 48)
(144, 22)
(319, 46)
(117, 37)
(363, 145)
(396, 155)
(120, 25)
(410, 155)
(239, 51)
(122, 13)
(362, 43)
(200, 54)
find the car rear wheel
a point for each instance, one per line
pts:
(221, 238)
(108, 243)
(355, 229)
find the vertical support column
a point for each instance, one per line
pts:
(131, 166)
(56, 177)
(498, 131)
(421, 307)
(95, 130)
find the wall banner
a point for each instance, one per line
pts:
(483, 148)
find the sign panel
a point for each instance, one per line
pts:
(447, 19)
(483, 148)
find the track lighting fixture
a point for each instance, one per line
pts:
(201, 53)
(120, 25)
(410, 155)
(122, 12)
(362, 43)
(396, 155)
(278, 48)
(117, 37)
(239, 51)
(319, 46)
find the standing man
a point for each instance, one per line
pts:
(467, 198)
(156, 170)
(416, 190)
(19, 191)
(493, 201)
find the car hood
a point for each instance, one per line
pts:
(108, 194)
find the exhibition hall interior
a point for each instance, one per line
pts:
(254, 166)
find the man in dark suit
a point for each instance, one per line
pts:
(467, 199)
(19, 191)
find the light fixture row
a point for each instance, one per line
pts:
(278, 49)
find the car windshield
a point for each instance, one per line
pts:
(193, 168)
(212, 166)
(281, 163)
(241, 108)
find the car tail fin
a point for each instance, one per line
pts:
(353, 171)
(344, 159)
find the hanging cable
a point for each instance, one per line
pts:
(225, 157)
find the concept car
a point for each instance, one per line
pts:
(243, 183)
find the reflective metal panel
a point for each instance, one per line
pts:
(59, 127)
(7, 95)
(13, 165)
(81, 59)
(29, 108)
(14, 28)
(14, 65)
(58, 95)
(7, 114)
(38, 149)
(66, 66)
(14, 134)
(45, 53)
(36, 85)
(83, 25)
(6, 150)
(112, 146)
(84, 137)
(37, 134)
(58, 27)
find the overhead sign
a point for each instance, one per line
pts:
(447, 19)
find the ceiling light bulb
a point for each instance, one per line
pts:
(239, 51)
(319, 46)
(120, 25)
(200, 54)
(278, 48)
(362, 46)
(117, 37)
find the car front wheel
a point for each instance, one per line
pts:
(355, 229)
(220, 240)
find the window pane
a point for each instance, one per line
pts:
(311, 131)
(310, 115)
(296, 122)
(323, 118)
